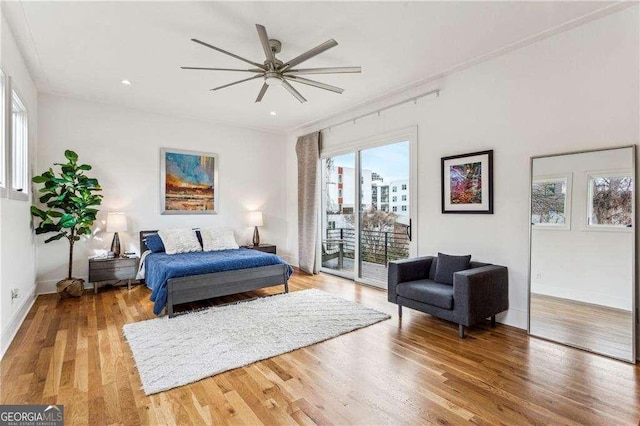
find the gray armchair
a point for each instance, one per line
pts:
(477, 293)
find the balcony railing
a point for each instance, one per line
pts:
(377, 248)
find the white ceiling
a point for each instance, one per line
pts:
(84, 49)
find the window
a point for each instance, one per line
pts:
(340, 192)
(340, 178)
(3, 147)
(404, 186)
(394, 199)
(394, 189)
(395, 208)
(610, 200)
(404, 208)
(404, 198)
(19, 146)
(550, 202)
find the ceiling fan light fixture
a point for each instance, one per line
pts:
(272, 79)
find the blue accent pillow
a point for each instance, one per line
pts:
(154, 243)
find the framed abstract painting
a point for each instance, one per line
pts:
(467, 183)
(188, 182)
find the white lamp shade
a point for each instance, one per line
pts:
(116, 222)
(255, 218)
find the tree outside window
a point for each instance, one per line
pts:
(611, 200)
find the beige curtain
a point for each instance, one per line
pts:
(308, 152)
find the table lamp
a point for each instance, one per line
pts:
(255, 220)
(116, 222)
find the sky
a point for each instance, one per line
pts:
(389, 161)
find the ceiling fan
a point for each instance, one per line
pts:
(275, 72)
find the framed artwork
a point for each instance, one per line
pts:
(467, 183)
(188, 182)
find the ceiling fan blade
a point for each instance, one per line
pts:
(310, 54)
(229, 53)
(264, 40)
(314, 83)
(237, 82)
(335, 70)
(222, 69)
(263, 90)
(293, 91)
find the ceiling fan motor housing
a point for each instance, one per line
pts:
(276, 46)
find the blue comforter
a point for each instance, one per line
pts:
(160, 267)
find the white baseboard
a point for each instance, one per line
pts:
(10, 331)
(603, 299)
(49, 286)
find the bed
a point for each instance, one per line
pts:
(189, 277)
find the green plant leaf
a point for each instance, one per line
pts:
(55, 237)
(37, 212)
(46, 198)
(84, 167)
(47, 227)
(54, 213)
(67, 221)
(71, 156)
(39, 179)
(83, 230)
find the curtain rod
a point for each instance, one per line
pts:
(413, 99)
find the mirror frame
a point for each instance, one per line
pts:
(634, 312)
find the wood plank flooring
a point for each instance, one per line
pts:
(72, 352)
(598, 328)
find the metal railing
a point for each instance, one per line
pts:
(375, 246)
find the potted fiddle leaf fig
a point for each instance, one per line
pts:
(70, 199)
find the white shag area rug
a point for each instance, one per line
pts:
(172, 352)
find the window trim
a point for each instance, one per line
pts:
(13, 194)
(609, 174)
(566, 226)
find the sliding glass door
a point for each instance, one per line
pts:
(358, 239)
(338, 207)
(385, 221)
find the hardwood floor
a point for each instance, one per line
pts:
(72, 352)
(598, 328)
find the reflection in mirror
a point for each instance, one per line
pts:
(582, 250)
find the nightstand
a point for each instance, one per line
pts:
(116, 269)
(267, 248)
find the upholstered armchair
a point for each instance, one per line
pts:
(460, 291)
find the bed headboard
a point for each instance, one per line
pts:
(143, 235)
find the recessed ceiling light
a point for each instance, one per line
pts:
(272, 113)
(126, 82)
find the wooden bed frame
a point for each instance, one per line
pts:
(206, 286)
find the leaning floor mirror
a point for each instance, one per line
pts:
(582, 251)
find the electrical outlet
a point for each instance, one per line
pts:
(539, 276)
(15, 293)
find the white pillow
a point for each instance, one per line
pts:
(179, 240)
(217, 238)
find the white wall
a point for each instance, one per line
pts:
(17, 244)
(580, 263)
(123, 146)
(574, 91)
